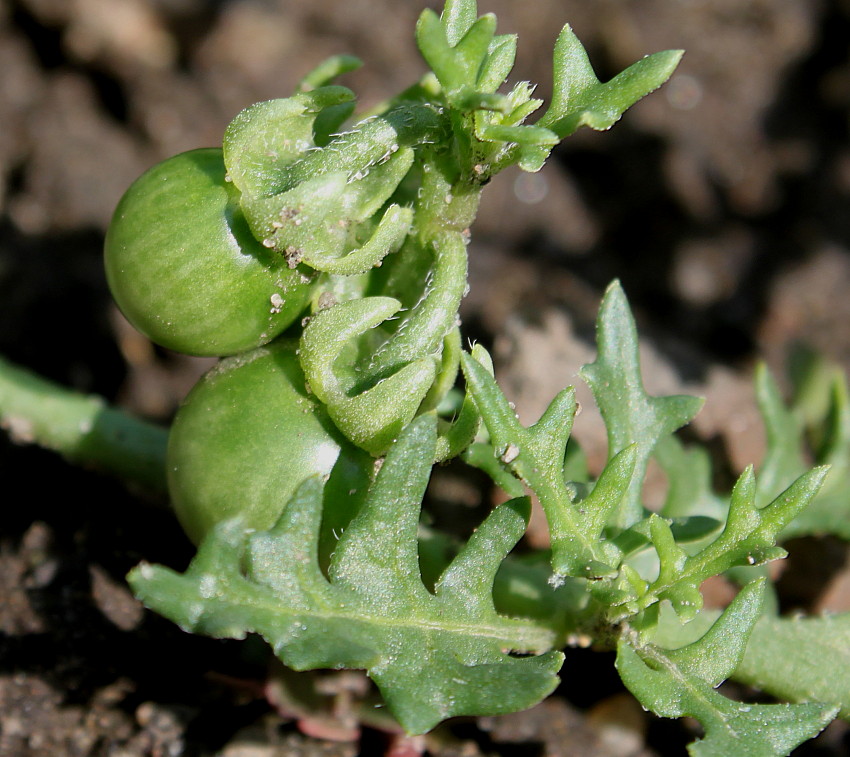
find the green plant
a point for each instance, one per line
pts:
(300, 463)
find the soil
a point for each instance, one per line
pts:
(720, 202)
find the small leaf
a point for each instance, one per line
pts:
(748, 538)
(522, 135)
(677, 683)
(328, 70)
(498, 63)
(829, 512)
(457, 18)
(435, 48)
(580, 99)
(460, 63)
(689, 475)
(783, 461)
(631, 416)
(471, 51)
(371, 418)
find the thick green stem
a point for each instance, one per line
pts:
(82, 428)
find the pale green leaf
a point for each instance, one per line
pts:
(689, 476)
(498, 63)
(829, 512)
(800, 659)
(783, 461)
(457, 18)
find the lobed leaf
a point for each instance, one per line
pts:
(433, 656)
(457, 52)
(681, 682)
(535, 455)
(631, 415)
(580, 99)
(748, 538)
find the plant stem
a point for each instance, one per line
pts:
(82, 428)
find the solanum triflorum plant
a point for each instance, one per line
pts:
(324, 258)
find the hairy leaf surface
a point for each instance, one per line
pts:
(800, 659)
(632, 417)
(433, 656)
(676, 683)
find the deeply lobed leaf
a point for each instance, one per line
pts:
(631, 415)
(682, 683)
(432, 655)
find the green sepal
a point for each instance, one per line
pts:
(267, 137)
(681, 682)
(433, 656)
(387, 238)
(316, 219)
(432, 318)
(372, 417)
(309, 201)
(455, 436)
(447, 372)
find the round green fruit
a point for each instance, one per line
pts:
(186, 270)
(247, 435)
